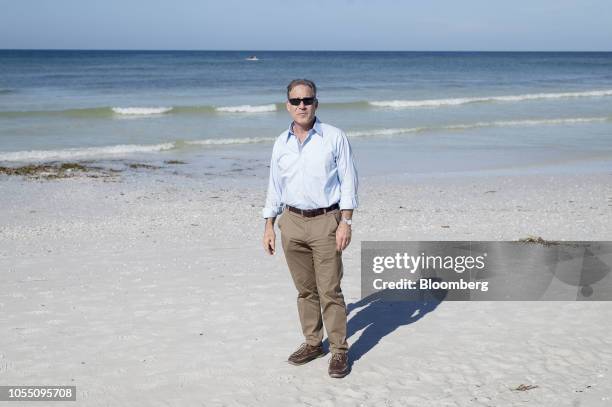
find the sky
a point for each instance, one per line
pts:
(425, 25)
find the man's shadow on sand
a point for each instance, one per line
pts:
(384, 312)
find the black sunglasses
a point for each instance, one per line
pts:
(307, 101)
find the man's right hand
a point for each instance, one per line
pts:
(269, 238)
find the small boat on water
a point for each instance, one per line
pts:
(252, 58)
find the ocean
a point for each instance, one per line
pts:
(404, 112)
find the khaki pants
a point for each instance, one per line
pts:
(316, 268)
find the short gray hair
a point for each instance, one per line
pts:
(298, 82)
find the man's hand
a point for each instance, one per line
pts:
(269, 238)
(343, 236)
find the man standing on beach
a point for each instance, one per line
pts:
(313, 182)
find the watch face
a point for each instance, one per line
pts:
(347, 221)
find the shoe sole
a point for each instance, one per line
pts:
(306, 360)
(339, 375)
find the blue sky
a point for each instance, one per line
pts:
(555, 25)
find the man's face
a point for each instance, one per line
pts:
(302, 114)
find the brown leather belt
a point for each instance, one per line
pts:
(310, 213)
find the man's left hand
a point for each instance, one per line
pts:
(343, 236)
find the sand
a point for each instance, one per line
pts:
(153, 290)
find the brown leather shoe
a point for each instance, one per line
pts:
(305, 354)
(338, 365)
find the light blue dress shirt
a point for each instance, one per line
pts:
(314, 174)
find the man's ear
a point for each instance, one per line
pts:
(288, 106)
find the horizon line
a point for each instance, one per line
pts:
(289, 50)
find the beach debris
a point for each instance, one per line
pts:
(174, 162)
(525, 387)
(144, 166)
(55, 170)
(445, 226)
(538, 240)
(490, 192)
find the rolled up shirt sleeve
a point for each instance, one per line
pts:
(347, 174)
(273, 206)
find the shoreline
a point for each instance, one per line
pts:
(251, 161)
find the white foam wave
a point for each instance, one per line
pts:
(542, 122)
(499, 123)
(247, 109)
(141, 111)
(71, 153)
(224, 141)
(385, 132)
(398, 104)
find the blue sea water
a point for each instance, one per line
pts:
(412, 112)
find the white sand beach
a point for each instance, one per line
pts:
(154, 290)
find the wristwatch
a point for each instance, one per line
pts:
(347, 221)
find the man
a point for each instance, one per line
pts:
(313, 178)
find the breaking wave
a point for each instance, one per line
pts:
(500, 123)
(399, 104)
(88, 152)
(247, 109)
(126, 149)
(137, 111)
(141, 111)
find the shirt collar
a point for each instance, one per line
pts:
(316, 129)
